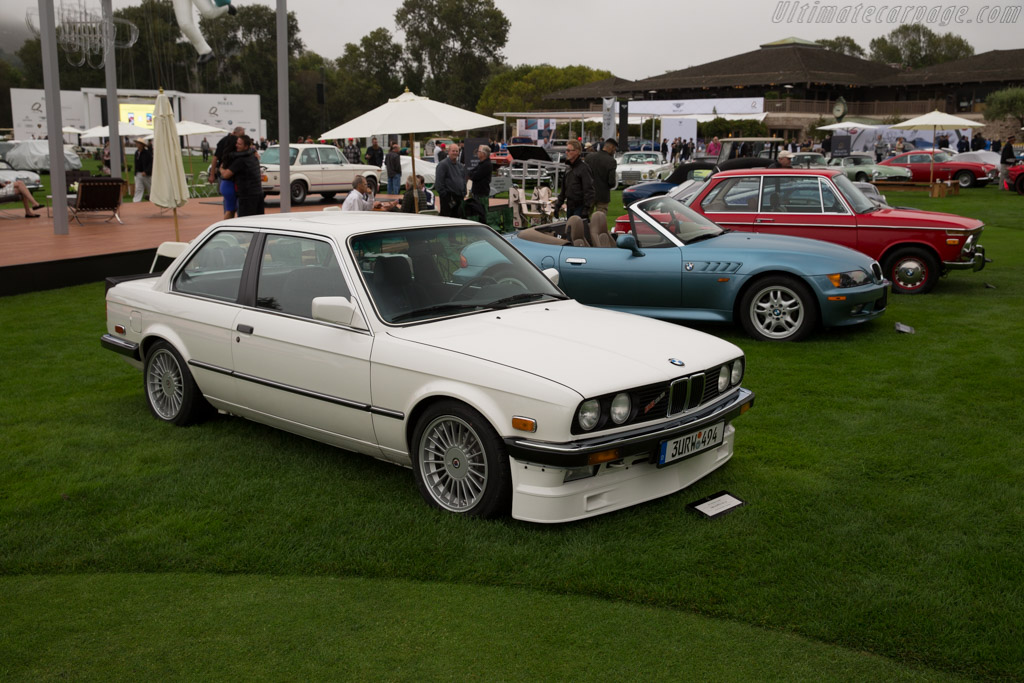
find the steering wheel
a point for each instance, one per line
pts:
(477, 279)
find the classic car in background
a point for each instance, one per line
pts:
(34, 155)
(1017, 178)
(914, 247)
(352, 329)
(635, 167)
(694, 170)
(945, 167)
(862, 168)
(670, 262)
(314, 169)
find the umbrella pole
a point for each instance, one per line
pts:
(931, 166)
(177, 238)
(415, 189)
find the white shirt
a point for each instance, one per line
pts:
(357, 201)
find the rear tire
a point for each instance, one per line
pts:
(912, 270)
(459, 462)
(778, 308)
(171, 393)
(298, 192)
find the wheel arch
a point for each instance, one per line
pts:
(754, 279)
(890, 249)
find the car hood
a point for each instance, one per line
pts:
(590, 350)
(754, 250)
(911, 218)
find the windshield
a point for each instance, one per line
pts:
(422, 274)
(854, 196)
(273, 156)
(685, 192)
(669, 214)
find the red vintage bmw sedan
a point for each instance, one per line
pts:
(914, 247)
(927, 165)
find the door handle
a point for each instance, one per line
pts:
(576, 261)
(764, 220)
(245, 329)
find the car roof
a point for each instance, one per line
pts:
(777, 171)
(341, 224)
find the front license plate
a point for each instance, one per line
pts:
(691, 444)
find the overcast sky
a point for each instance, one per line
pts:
(633, 39)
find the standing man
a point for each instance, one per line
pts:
(143, 169)
(577, 193)
(1007, 158)
(881, 149)
(602, 165)
(205, 148)
(244, 171)
(352, 152)
(450, 183)
(393, 165)
(481, 177)
(374, 154)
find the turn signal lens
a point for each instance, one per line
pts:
(524, 424)
(603, 456)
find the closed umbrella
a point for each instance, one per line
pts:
(936, 120)
(410, 113)
(170, 190)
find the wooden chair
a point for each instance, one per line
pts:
(98, 195)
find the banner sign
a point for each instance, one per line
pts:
(28, 112)
(720, 105)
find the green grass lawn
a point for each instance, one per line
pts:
(881, 537)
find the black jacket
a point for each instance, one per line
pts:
(481, 177)
(578, 190)
(393, 162)
(144, 161)
(375, 156)
(602, 166)
(245, 169)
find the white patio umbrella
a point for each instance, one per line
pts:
(936, 120)
(125, 130)
(410, 113)
(170, 190)
(845, 125)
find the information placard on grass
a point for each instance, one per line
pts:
(716, 504)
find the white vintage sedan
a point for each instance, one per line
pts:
(314, 169)
(499, 392)
(638, 167)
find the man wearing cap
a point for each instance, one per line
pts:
(143, 169)
(602, 165)
(785, 160)
(1007, 158)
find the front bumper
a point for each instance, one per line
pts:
(853, 305)
(975, 263)
(644, 441)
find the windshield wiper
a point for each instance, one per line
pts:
(521, 297)
(437, 308)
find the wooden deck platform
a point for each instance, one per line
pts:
(32, 258)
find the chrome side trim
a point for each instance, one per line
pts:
(121, 346)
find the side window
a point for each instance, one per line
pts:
(787, 194)
(918, 159)
(735, 195)
(215, 269)
(294, 271)
(330, 155)
(308, 157)
(829, 199)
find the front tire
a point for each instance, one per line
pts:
(371, 183)
(778, 308)
(298, 192)
(861, 177)
(912, 270)
(965, 178)
(171, 392)
(459, 462)
(1019, 185)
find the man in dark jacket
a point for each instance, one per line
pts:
(245, 172)
(577, 193)
(374, 154)
(602, 166)
(481, 177)
(450, 183)
(143, 169)
(393, 165)
(1007, 158)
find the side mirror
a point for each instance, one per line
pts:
(551, 274)
(628, 242)
(339, 310)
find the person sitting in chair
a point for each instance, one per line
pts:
(13, 190)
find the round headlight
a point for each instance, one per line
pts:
(620, 408)
(588, 414)
(737, 371)
(723, 378)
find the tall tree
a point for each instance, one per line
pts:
(915, 45)
(844, 44)
(364, 77)
(71, 77)
(10, 77)
(160, 58)
(1007, 103)
(454, 44)
(523, 87)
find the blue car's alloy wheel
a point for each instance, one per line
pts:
(778, 309)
